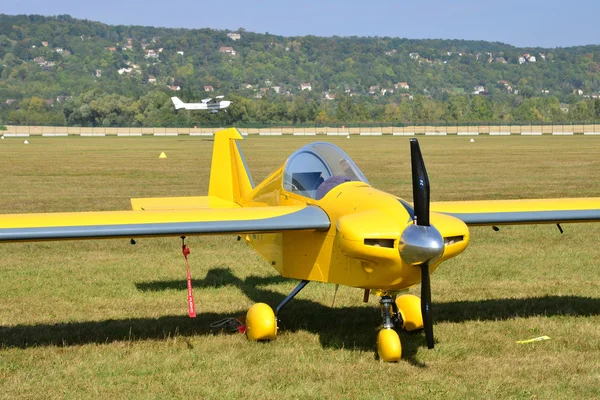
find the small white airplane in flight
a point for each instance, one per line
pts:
(205, 104)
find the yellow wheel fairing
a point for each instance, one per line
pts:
(261, 323)
(409, 307)
(388, 345)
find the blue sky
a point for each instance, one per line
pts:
(523, 23)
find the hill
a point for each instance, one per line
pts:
(62, 70)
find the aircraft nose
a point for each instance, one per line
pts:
(419, 244)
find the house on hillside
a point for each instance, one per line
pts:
(209, 88)
(98, 73)
(305, 86)
(401, 85)
(234, 36)
(151, 79)
(150, 54)
(414, 56)
(228, 50)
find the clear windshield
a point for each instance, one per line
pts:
(317, 168)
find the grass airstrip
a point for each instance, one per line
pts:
(105, 319)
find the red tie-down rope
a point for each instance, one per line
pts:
(191, 305)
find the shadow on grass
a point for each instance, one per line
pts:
(347, 327)
(503, 309)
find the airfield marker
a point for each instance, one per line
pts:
(162, 155)
(26, 142)
(537, 339)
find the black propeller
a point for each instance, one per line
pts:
(430, 239)
(420, 184)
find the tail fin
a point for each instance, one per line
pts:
(229, 177)
(177, 103)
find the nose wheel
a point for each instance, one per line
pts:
(389, 348)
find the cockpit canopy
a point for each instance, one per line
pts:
(317, 168)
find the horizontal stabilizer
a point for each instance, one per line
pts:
(180, 203)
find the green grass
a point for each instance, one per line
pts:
(104, 319)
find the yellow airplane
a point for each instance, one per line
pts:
(316, 218)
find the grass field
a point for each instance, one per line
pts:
(104, 319)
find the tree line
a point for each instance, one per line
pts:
(65, 71)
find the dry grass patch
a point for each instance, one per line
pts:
(107, 319)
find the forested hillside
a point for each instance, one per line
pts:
(61, 70)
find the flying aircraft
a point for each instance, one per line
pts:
(212, 105)
(316, 218)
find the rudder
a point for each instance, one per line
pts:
(229, 177)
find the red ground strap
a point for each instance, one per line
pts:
(191, 306)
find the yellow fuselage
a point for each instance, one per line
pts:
(361, 247)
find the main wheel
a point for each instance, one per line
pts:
(388, 345)
(410, 310)
(261, 323)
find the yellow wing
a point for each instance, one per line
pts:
(183, 219)
(512, 212)
(219, 212)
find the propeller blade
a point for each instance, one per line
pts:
(426, 304)
(420, 183)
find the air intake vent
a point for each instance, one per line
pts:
(380, 243)
(453, 239)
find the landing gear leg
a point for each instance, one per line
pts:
(388, 341)
(293, 294)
